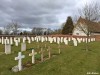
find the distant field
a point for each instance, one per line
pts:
(71, 61)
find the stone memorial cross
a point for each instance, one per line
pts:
(19, 58)
(33, 56)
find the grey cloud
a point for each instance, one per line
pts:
(31, 13)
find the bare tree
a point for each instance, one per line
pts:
(15, 26)
(7, 29)
(91, 13)
(12, 27)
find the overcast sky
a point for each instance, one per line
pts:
(39, 13)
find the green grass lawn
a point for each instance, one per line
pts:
(71, 61)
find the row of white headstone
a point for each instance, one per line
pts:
(43, 39)
(58, 40)
(10, 40)
(79, 40)
(65, 40)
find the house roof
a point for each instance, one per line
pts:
(93, 26)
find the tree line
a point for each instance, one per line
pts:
(13, 29)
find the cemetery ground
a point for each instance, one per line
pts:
(73, 60)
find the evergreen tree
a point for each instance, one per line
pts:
(68, 27)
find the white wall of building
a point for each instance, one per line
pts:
(77, 31)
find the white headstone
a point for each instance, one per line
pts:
(75, 42)
(54, 39)
(51, 40)
(89, 40)
(46, 38)
(39, 38)
(19, 58)
(6, 37)
(23, 46)
(2, 40)
(32, 38)
(11, 40)
(79, 40)
(6, 41)
(83, 39)
(69, 39)
(66, 42)
(18, 39)
(94, 39)
(58, 40)
(42, 39)
(15, 39)
(29, 40)
(86, 40)
(16, 43)
(7, 48)
(35, 38)
(24, 39)
(61, 40)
